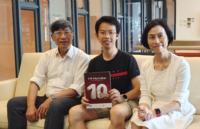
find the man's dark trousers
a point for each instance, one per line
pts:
(58, 108)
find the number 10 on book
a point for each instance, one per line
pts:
(97, 85)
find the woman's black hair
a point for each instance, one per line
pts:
(152, 24)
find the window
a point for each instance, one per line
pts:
(81, 24)
(28, 31)
(7, 65)
(133, 24)
(95, 14)
(45, 25)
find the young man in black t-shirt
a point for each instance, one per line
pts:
(124, 80)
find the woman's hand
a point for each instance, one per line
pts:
(144, 113)
(149, 116)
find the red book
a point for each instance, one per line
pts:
(97, 86)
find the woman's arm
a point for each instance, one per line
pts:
(145, 98)
(181, 92)
(174, 105)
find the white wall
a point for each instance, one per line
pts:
(187, 9)
(106, 9)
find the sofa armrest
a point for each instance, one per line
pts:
(7, 89)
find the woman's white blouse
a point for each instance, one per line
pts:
(166, 86)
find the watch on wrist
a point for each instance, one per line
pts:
(53, 96)
(125, 97)
(158, 112)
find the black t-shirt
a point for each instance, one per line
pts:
(123, 67)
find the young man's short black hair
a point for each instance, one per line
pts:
(152, 24)
(60, 24)
(108, 19)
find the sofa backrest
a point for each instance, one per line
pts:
(28, 64)
(30, 60)
(194, 86)
(141, 58)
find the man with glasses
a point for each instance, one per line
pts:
(124, 80)
(62, 69)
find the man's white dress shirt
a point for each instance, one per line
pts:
(61, 73)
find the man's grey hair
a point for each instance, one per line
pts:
(60, 24)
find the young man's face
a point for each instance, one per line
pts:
(63, 37)
(107, 35)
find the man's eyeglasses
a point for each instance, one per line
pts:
(59, 33)
(108, 33)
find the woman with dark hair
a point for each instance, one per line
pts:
(164, 84)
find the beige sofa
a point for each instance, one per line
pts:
(19, 87)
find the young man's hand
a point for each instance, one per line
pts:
(32, 114)
(85, 101)
(44, 107)
(116, 96)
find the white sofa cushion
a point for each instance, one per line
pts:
(195, 123)
(40, 124)
(3, 114)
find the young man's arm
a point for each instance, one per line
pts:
(135, 79)
(136, 91)
(116, 96)
(134, 74)
(32, 112)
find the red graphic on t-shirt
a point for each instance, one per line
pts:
(119, 74)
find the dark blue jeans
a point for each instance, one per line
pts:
(58, 108)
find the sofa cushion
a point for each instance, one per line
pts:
(40, 124)
(3, 114)
(195, 123)
(98, 124)
(28, 64)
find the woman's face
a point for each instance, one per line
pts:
(157, 39)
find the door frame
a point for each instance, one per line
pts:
(17, 26)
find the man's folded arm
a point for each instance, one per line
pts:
(77, 87)
(32, 94)
(79, 82)
(39, 76)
